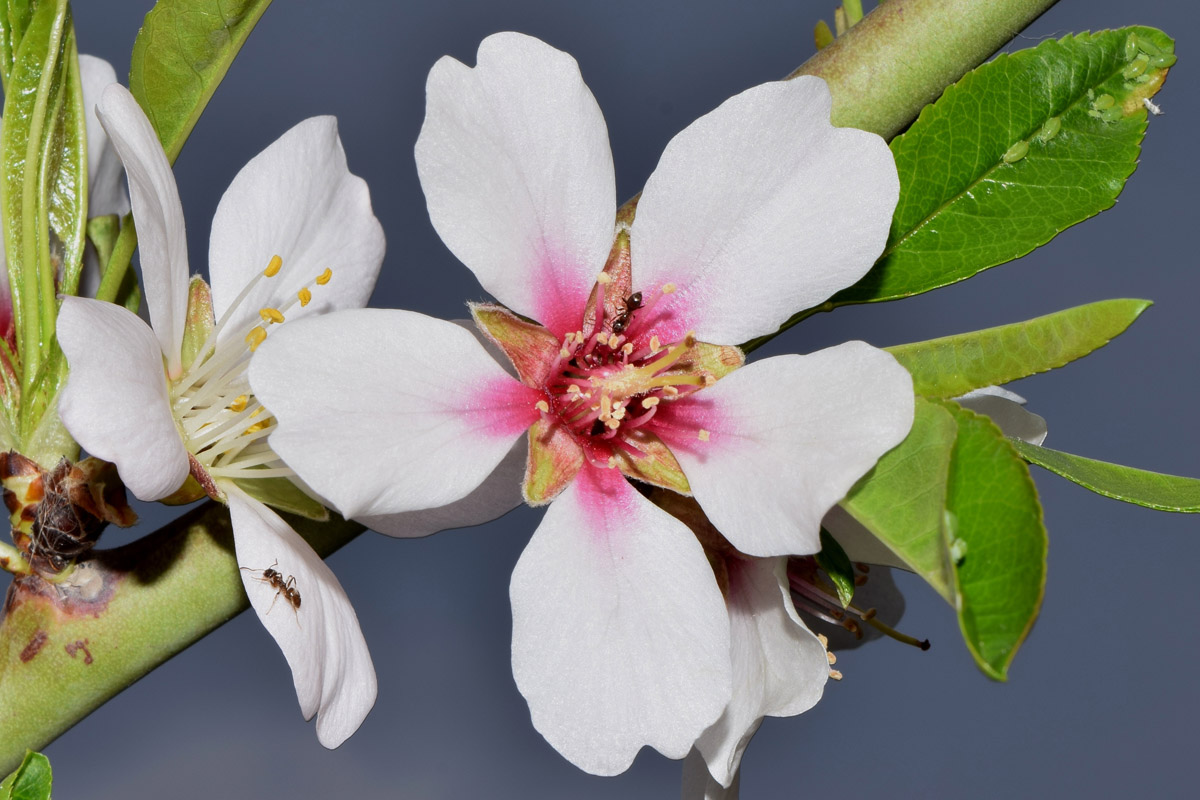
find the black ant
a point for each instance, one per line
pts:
(632, 304)
(285, 587)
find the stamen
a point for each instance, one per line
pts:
(273, 266)
(702, 435)
(324, 277)
(543, 406)
(239, 404)
(270, 315)
(305, 296)
(835, 675)
(255, 337)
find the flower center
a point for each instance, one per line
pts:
(223, 425)
(604, 386)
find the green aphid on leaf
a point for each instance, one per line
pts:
(1136, 67)
(1104, 101)
(1049, 130)
(1016, 152)
(1131, 46)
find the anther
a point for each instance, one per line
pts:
(668, 288)
(305, 297)
(324, 277)
(655, 344)
(256, 337)
(649, 402)
(273, 267)
(702, 435)
(239, 404)
(270, 315)
(830, 657)
(835, 675)
(542, 406)
(823, 639)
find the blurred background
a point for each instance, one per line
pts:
(1102, 697)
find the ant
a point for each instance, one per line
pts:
(632, 304)
(287, 587)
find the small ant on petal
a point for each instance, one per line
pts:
(282, 586)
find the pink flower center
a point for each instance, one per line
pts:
(609, 381)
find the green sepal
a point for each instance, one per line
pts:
(30, 781)
(14, 19)
(1127, 484)
(836, 564)
(965, 207)
(180, 56)
(954, 365)
(997, 539)
(282, 494)
(102, 233)
(198, 321)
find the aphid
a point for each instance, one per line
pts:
(1016, 152)
(1104, 101)
(1136, 67)
(1050, 129)
(1131, 46)
(285, 587)
(632, 303)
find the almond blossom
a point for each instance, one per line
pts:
(293, 235)
(627, 374)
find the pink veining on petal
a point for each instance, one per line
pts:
(503, 408)
(558, 304)
(696, 424)
(607, 502)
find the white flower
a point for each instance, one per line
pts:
(621, 636)
(134, 397)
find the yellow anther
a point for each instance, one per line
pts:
(564, 353)
(649, 402)
(670, 391)
(542, 406)
(668, 288)
(703, 435)
(324, 277)
(627, 349)
(831, 658)
(835, 675)
(258, 426)
(270, 315)
(613, 423)
(573, 389)
(604, 278)
(823, 639)
(239, 404)
(709, 379)
(612, 462)
(305, 297)
(655, 344)
(618, 412)
(273, 267)
(256, 337)
(257, 411)
(605, 407)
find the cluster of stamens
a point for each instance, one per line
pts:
(603, 386)
(224, 426)
(812, 595)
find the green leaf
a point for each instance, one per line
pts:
(282, 494)
(30, 781)
(180, 56)
(1016, 151)
(901, 501)
(954, 365)
(1137, 486)
(14, 19)
(996, 532)
(836, 564)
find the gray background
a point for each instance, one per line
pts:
(1101, 701)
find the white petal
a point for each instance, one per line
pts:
(162, 241)
(698, 784)
(386, 411)
(1005, 409)
(787, 438)
(761, 209)
(779, 666)
(514, 160)
(499, 493)
(858, 542)
(321, 639)
(116, 403)
(106, 192)
(296, 199)
(620, 636)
